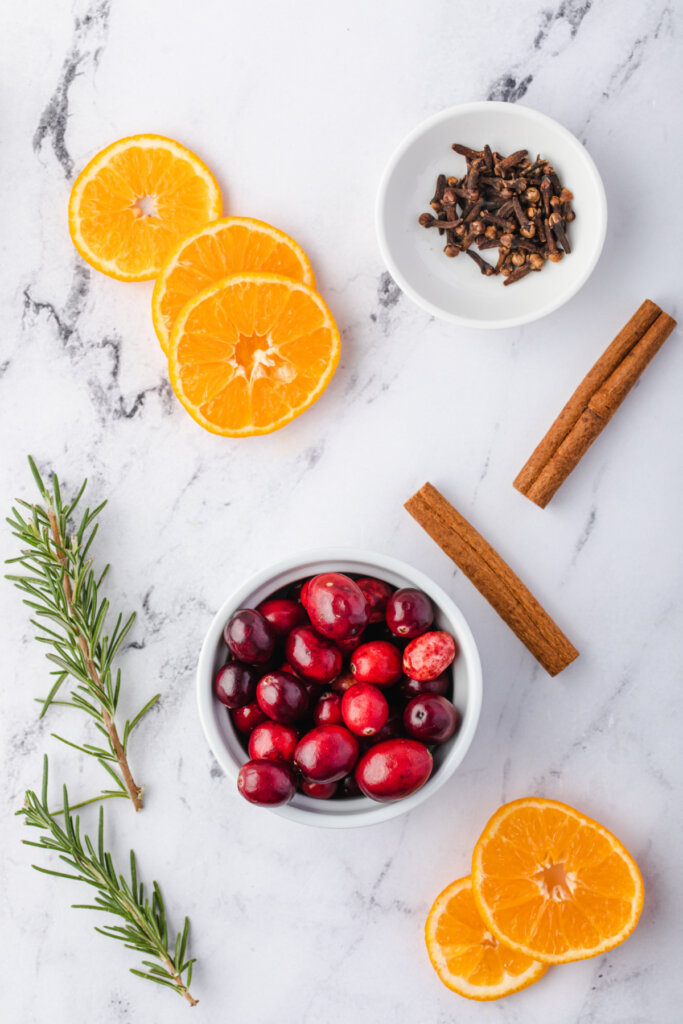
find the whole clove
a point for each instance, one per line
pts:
(511, 203)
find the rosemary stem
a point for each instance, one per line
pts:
(134, 791)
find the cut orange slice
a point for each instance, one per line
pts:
(135, 200)
(251, 352)
(228, 246)
(466, 956)
(553, 884)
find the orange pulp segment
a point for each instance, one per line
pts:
(553, 884)
(227, 246)
(251, 352)
(466, 956)
(135, 200)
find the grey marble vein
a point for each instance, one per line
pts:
(89, 37)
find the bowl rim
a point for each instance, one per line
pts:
(515, 110)
(317, 816)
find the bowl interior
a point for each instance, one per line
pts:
(454, 288)
(224, 740)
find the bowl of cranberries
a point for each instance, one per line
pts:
(339, 688)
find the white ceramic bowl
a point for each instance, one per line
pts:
(454, 289)
(224, 741)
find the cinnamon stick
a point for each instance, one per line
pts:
(594, 402)
(493, 578)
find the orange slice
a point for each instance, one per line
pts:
(135, 200)
(227, 246)
(251, 352)
(466, 956)
(553, 884)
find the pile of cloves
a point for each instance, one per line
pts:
(507, 203)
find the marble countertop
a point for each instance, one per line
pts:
(296, 107)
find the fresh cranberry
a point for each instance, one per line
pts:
(347, 647)
(326, 753)
(282, 614)
(313, 657)
(428, 656)
(273, 741)
(246, 719)
(328, 709)
(286, 667)
(282, 697)
(409, 612)
(430, 718)
(336, 606)
(348, 787)
(266, 783)
(235, 684)
(303, 593)
(377, 662)
(391, 730)
(410, 688)
(318, 790)
(364, 709)
(249, 637)
(376, 593)
(394, 769)
(343, 682)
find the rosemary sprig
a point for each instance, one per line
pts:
(145, 928)
(70, 615)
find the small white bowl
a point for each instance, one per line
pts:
(454, 289)
(224, 741)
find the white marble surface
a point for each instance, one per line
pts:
(296, 108)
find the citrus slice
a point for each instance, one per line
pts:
(135, 200)
(228, 246)
(466, 956)
(553, 884)
(251, 352)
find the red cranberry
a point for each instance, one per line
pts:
(347, 647)
(377, 662)
(343, 682)
(326, 753)
(348, 787)
(266, 783)
(365, 709)
(235, 684)
(319, 790)
(313, 657)
(391, 730)
(328, 710)
(286, 667)
(430, 718)
(249, 637)
(376, 593)
(283, 615)
(273, 741)
(336, 606)
(246, 719)
(303, 593)
(394, 769)
(428, 656)
(410, 688)
(409, 612)
(282, 697)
